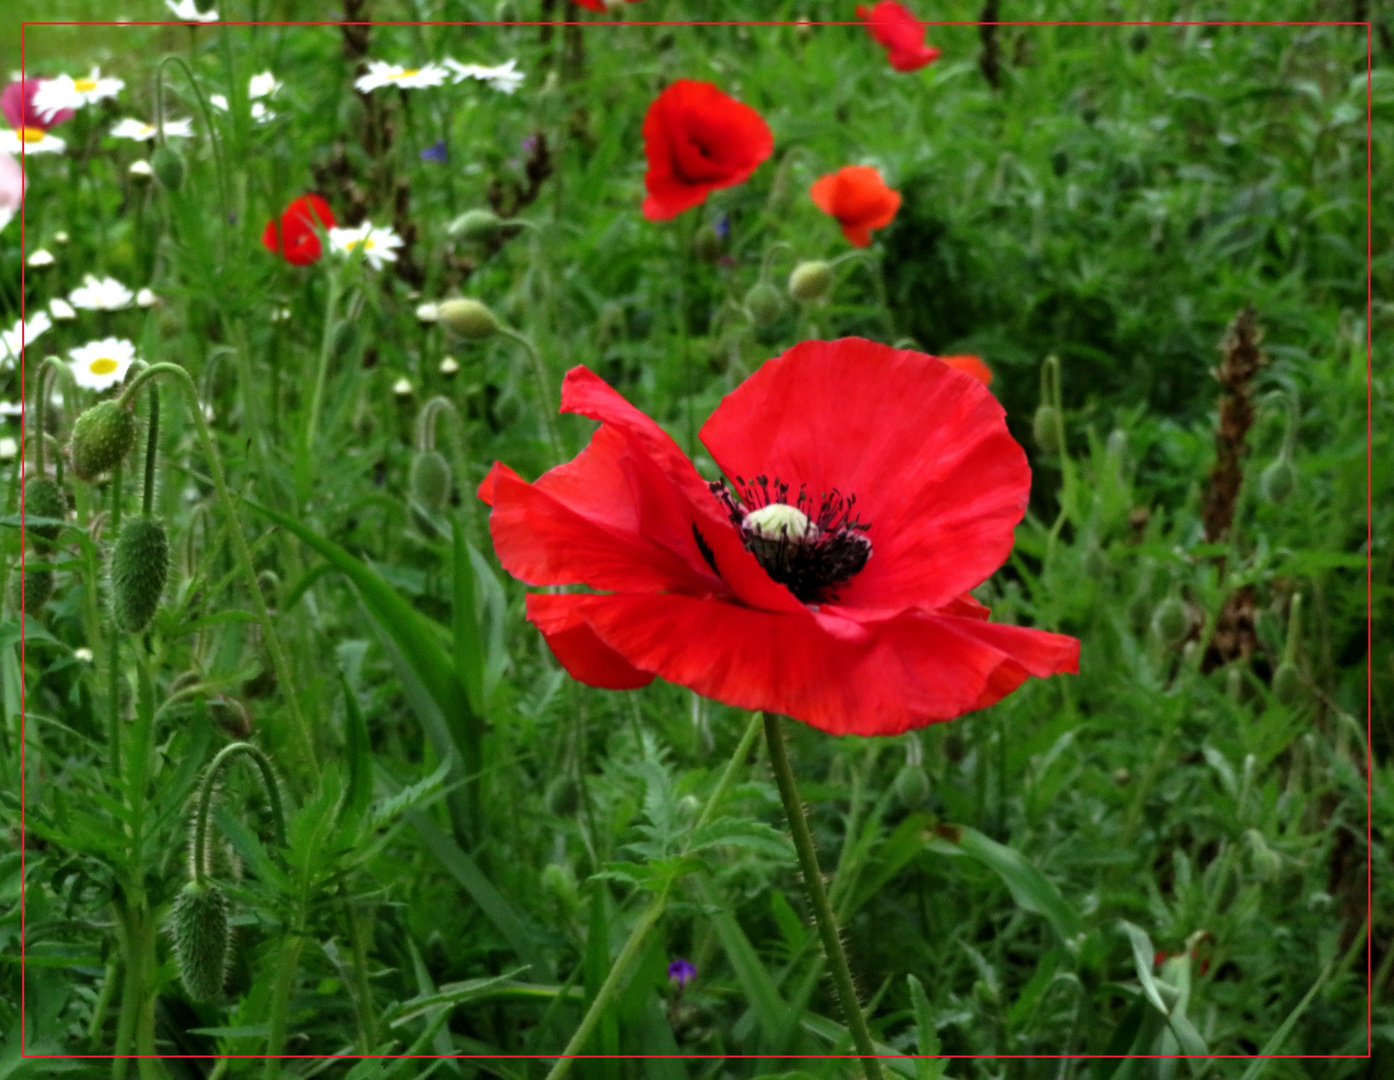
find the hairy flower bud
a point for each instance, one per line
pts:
(911, 787)
(168, 167)
(763, 303)
(468, 318)
(1278, 480)
(1045, 428)
(479, 226)
(139, 566)
(429, 480)
(1170, 622)
(30, 591)
(102, 437)
(43, 498)
(811, 282)
(202, 935)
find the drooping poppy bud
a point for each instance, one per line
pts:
(43, 498)
(139, 566)
(811, 281)
(478, 226)
(168, 167)
(30, 591)
(430, 480)
(1045, 428)
(763, 303)
(1278, 480)
(911, 787)
(468, 318)
(563, 796)
(1170, 622)
(202, 937)
(102, 437)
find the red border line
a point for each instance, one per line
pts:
(1369, 583)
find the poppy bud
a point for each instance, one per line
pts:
(1045, 428)
(343, 342)
(168, 167)
(559, 880)
(479, 226)
(762, 303)
(469, 318)
(911, 787)
(199, 923)
(688, 806)
(430, 479)
(102, 437)
(1278, 480)
(811, 282)
(43, 498)
(139, 565)
(707, 244)
(1170, 622)
(31, 589)
(563, 796)
(1287, 685)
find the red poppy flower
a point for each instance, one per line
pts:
(17, 103)
(970, 365)
(596, 5)
(900, 34)
(298, 242)
(697, 140)
(859, 199)
(873, 487)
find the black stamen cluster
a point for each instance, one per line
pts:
(810, 566)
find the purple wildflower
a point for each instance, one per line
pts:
(682, 972)
(435, 152)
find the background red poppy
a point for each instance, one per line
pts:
(859, 199)
(297, 241)
(902, 35)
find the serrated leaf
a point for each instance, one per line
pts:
(742, 833)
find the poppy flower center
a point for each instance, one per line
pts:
(809, 545)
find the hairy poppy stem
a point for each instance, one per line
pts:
(818, 896)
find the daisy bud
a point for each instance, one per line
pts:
(811, 282)
(449, 367)
(140, 171)
(139, 566)
(202, 935)
(911, 787)
(102, 437)
(402, 387)
(427, 313)
(469, 318)
(762, 303)
(1170, 622)
(477, 226)
(31, 589)
(1046, 430)
(168, 167)
(45, 499)
(1287, 685)
(1278, 481)
(430, 480)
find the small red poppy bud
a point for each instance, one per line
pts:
(811, 282)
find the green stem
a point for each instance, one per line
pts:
(649, 918)
(113, 686)
(284, 674)
(544, 391)
(205, 799)
(325, 347)
(152, 440)
(822, 910)
(137, 943)
(367, 1019)
(287, 964)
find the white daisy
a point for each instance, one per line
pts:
(504, 77)
(30, 140)
(261, 114)
(11, 408)
(8, 448)
(100, 364)
(218, 102)
(381, 73)
(41, 257)
(10, 339)
(263, 85)
(187, 11)
(61, 310)
(100, 294)
(379, 244)
(140, 131)
(65, 92)
(83, 653)
(427, 312)
(146, 298)
(141, 169)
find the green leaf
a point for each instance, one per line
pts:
(927, 1034)
(453, 994)
(1275, 1041)
(756, 982)
(469, 657)
(409, 797)
(360, 757)
(743, 833)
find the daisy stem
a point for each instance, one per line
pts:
(272, 640)
(325, 348)
(818, 896)
(650, 916)
(543, 389)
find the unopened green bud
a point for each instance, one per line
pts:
(479, 226)
(468, 318)
(202, 935)
(1278, 480)
(168, 167)
(1288, 688)
(911, 787)
(430, 480)
(102, 437)
(563, 796)
(559, 880)
(139, 566)
(343, 342)
(811, 282)
(30, 590)
(707, 245)
(1045, 428)
(43, 498)
(763, 303)
(1170, 622)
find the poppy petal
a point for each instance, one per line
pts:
(941, 498)
(585, 657)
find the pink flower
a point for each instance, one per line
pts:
(17, 103)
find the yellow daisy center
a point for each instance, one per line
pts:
(103, 365)
(409, 73)
(369, 244)
(84, 86)
(32, 135)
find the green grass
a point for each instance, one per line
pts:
(1114, 203)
